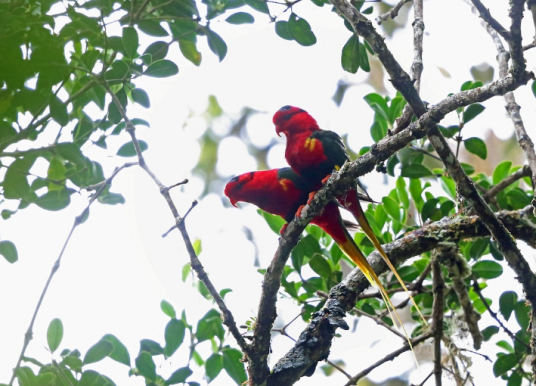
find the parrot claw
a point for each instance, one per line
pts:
(283, 229)
(326, 179)
(311, 196)
(298, 212)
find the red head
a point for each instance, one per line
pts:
(276, 191)
(290, 119)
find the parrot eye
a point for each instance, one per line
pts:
(234, 179)
(285, 108)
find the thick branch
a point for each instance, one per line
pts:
(437, 312)
(315, 341)
(486, 16)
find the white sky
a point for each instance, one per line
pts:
(117, 267)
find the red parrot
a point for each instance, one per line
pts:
(314, 153)
(282, 192)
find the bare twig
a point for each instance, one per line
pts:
(389, 357)
(458, 270)
(476, 288)
(77, 221)
(486, 16)
(392, 13)
(437, 313)
(523, 172)
(227, 316)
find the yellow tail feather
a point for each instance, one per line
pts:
(362, 220)
(354, 253)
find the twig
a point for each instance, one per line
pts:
(227, 316)
(419, 150)
(425, 379)
(487, 358)
(486, 16)
(437, 312)
(77, 221)
(458, 270)
(523, 172)
(476, 288)
(389, 357)
(185, 181)
(392, 13)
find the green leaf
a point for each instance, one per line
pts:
(430, 210)
(522, 312)
(534, 88)
(472, 111)
(168, 309)
(319, 264)
(488, 332)
(364, 60)
(54, 334)
(468, 169)
(501, 171)
(274, 222)
(258, 5)
(161, 69)
(487, 269)
(281, 29)
(507, 303)
(151, 347)
(514, 380)
(209, 326)
(449, 186)
(119, 353)
(233, 365)
(476, 146)
(392, 208)
(157, 50)
(300, 30)
(351, 58)
(152, 28)
(26, 376)
(146, 365)
(130, 41)
(98, 352)
(478, 247)
(128, 149)
(186, 269)
(216, 44)
(179, 376)
(190, 52)
(110, 198)
(55, 199)
(9, 251)
(213, 366)
(378, 130)
(240, 18)
(505, 346)
(378, 104)
(415, 171)
(504, 363)
(174, 336)
(140, 96)
(91, 378)
(402, 192)
(58, 111)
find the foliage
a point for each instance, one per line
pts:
(62, 65)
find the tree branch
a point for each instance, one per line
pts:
(437, 311)
(77, 221)
(525, 171)
(392, 13)
(315, 341)
(227, 316)
(487, 18)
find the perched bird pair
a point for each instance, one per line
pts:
(312, 154)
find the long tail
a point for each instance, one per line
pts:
(351, 203)
(349, 247)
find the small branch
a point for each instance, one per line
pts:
(390, 357)
(458, 270)
(437, 312)
(392, 13)
(227, 316)
(525, 171)
(185, 181)
(418, 33)
(77, 221)
(425, 379)
(486, 16)
(478, 291)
